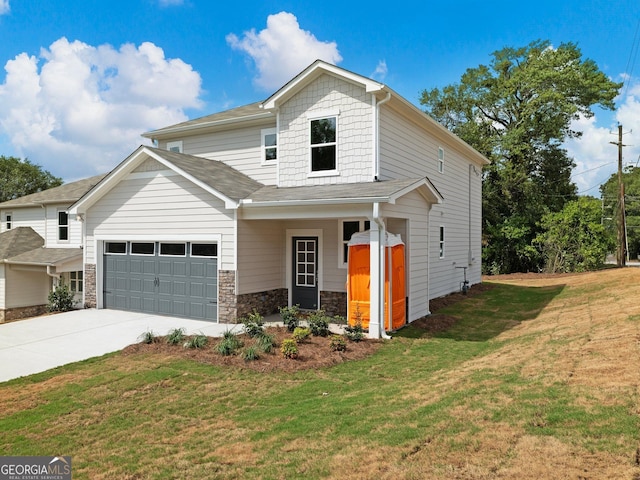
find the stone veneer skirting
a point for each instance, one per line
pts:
(90, 286)
(334, 303)
(265, 303)
(22, 312)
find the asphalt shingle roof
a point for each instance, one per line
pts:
(19, 240)
(67, 193)
(219, 176)
(47, 256)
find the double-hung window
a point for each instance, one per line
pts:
(76, 281)
(441, 242)
(347, 229)
(8, 221)
(324, 142)
(63, 226)
(440, 159)
(269, 145)
(175, 146)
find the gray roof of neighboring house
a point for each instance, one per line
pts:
(46, 256)
(347, 191)
(66, 194)
(243, 113)
(219, 176)
(18, 241)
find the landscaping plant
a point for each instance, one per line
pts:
(253, 324)
(61, 299)
(290, 317)
(318, 323)
(289, 348)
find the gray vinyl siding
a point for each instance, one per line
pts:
(414, 209)
(162, 207)
(354, 132)
(27, 217)
(239, 148)
(44, 221)
(2, 287)
(407, 150)
(261, 253)
(26, 286)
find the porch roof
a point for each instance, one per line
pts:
(46, 256)
(386, 191)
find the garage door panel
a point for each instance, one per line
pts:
(166, 285)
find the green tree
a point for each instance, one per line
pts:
(517, 111)
(609, 193)
(21, 177)
(574, 239)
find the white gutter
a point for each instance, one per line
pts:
(247, 202)
(376, 134)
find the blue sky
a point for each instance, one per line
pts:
(82, 79)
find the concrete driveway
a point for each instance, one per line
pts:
(38, 344)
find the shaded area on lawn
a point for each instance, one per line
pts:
(486, 311)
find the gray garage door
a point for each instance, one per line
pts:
(177, 279)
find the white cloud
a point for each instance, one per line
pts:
(381, 70)
(282, 50)
(4, 7)
(170, 3)
(595, 156)
(78, 110)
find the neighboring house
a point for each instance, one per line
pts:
(252, 208)
(40, 246)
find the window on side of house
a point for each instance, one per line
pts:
(347, 229)
(269, 145)
(175, 146)
(440, 159)
(63, 226)
(324, 143)
(76, 281)
(441, 242)
(8, 218)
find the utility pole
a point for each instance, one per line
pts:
(621, 254)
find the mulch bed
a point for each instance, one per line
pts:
(314, 353)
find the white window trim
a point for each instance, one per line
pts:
(8, 220)
(155, 249)
(311, 116)
(263, 148)
(126, 248)
(441, 241)
(204, 256)
(59, 225)
(440, 160)
(177, 144)
(78, 281)
(361, 228)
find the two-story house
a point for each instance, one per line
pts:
(40, 246)
(252, 208)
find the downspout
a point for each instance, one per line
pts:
(376, 133)
(376, 324)
(55, 276)
(470, 257)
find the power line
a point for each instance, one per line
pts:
(632, 54)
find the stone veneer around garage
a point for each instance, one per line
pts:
(22, 312)
(90, 285)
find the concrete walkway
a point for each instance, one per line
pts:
(41, 343)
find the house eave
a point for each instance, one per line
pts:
(248, 203)
(204, 126)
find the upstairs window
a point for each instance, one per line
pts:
(269, 145)
(63, 226)
(441, 242)
(175, 146)
(8, 220)
(440, 160)
(323, 144)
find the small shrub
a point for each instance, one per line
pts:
(175, 336)
(250, 354)
(289, 348)
(319, 324)
(290, 317)
(354, 333)
(229, 344)
(148, 337)
(196, 341)
(253, 324)
(265, 342)
(301, 334)
(61, 299)
(337, 343)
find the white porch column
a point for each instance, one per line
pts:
(376, 272)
